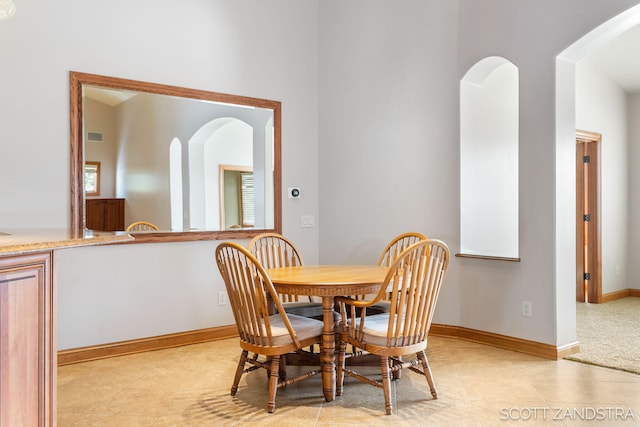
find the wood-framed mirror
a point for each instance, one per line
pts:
(161, 148)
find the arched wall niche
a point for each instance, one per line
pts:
(489, 160)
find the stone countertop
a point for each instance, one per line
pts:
(26, 240)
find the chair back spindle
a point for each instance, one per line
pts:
(273, 250)
(397, 245)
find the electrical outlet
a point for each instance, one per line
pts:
(222, 298)
(527, 310)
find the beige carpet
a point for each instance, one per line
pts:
(609, 334)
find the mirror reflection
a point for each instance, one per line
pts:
(195, 164)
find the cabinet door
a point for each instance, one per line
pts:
(105, 214)
(114, 215)
(27, 356)
(95, 214)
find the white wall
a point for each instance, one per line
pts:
(389, 109)
(389, 106)
(101, 120)
(633, 254)
(121, 292)
(253, 48)
(546, 275)
(601, 107)
(375, 81)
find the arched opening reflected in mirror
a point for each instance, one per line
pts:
(161, 150)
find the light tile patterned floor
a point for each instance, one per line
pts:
(478, 386)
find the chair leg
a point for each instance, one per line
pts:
(422, 356)
(386, 383)
(282, 373)
(239, 372)
(274, 371)
(342, 349)
(397, 374)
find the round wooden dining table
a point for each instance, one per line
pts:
(328, 282)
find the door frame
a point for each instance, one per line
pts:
(589, 259)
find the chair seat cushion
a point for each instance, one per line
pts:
(375, 330)
(305, 328)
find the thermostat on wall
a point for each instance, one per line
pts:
(294, 193)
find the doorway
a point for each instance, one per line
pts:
(588, 254)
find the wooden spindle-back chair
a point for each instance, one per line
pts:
(142, 226)
(274, 250)
(413, 281)
(264, 327)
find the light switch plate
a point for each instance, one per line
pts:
(308, 221)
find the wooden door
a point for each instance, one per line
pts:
(588, 256)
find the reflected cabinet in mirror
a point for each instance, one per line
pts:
(198, 165)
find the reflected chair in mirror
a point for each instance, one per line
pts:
(141, 226)
(274, 250)
(414, 280)
(266, 330)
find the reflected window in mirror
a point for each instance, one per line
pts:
(246, 199)
(162, 150)
(92, 178)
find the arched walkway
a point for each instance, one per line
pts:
(565, 158)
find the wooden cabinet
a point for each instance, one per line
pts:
(105, 214)
(27, 341)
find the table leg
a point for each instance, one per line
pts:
(328, 355)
